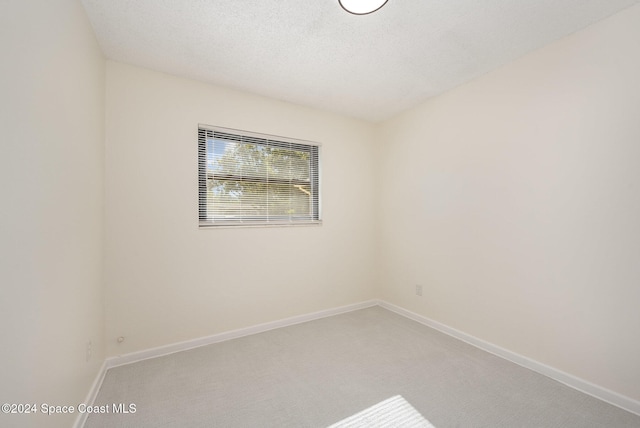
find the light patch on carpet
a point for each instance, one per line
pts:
(390, 413)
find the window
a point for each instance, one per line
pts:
(255, 179)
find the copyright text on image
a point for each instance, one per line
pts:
(49, 409)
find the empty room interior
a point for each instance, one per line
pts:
(289, 213)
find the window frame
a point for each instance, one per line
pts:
(247, 137)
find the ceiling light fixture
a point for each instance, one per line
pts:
(361, 7)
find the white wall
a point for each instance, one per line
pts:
(167, 280)
(514, 200)
(51, 219)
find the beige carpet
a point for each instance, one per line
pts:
(322, 372)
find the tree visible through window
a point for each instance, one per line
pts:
(247, 178)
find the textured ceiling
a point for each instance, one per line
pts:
(311, 52)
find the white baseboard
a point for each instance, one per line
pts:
(134, 357)
(233, 334)
(91, 396)
(574, 382)
(589, 388)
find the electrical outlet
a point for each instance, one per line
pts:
(418, 290)
(89, 351)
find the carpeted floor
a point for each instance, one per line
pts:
(317, 373)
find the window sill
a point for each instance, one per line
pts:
(234, 225)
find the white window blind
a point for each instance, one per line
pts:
(255, 179)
